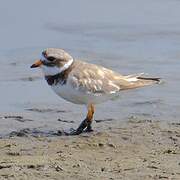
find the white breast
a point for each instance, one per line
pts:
(76, 96)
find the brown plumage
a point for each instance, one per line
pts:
(97, 79)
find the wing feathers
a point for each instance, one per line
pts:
(91, 78)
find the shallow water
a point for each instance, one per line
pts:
(143, 36)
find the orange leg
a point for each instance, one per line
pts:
(89, 117)
(86, 123)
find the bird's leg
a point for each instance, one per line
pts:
(90, 118)
(86, 123)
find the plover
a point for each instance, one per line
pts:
(83, 83)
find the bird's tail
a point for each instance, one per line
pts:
(136, 81)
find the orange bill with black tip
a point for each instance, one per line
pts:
(37, 64)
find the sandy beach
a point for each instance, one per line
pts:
(136, 137)
(138, 149)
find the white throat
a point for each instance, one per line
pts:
(51, 71)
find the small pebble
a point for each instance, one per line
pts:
(101, 144)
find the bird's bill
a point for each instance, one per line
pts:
(37, 64)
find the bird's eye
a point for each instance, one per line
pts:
(50, 58)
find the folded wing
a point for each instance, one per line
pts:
(91, 78)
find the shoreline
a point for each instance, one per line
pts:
(136, 150)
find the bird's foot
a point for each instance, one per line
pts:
(89, 128)
(71, 132)
(74, 132)
(85, 126)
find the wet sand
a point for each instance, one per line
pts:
(137, 149)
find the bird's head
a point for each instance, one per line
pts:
(53, 61)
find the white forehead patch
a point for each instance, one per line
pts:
(42, 58)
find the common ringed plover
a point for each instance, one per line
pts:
(83, 83)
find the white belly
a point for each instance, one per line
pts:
(78, 97)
